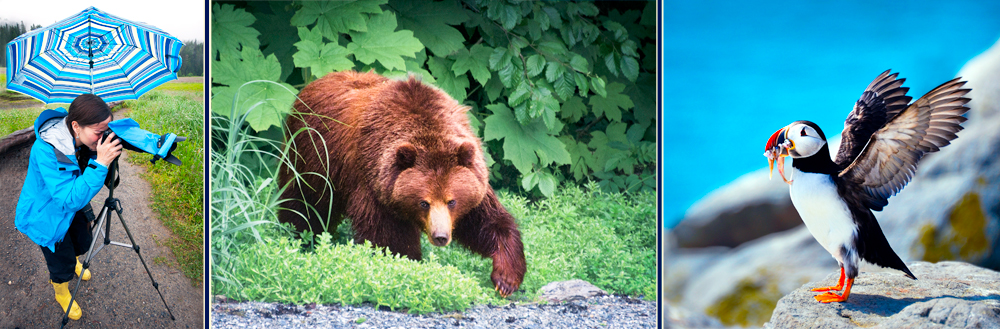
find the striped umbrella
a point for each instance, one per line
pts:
(91, 52)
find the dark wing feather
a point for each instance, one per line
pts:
(883, 99)
(890, 157)
(872, 245)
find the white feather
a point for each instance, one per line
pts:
(824, 213)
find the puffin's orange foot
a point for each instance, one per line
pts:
(838, 287)
(830, 297)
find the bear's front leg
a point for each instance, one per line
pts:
(383, 229)
(489, 230)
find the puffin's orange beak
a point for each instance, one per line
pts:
(776, 149)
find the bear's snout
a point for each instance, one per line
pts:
(440, 239)
(440, 225)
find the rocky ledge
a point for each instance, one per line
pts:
(946, 295)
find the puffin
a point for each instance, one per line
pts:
(884, 138)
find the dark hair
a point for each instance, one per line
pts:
(87, 109)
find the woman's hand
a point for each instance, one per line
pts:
(107, 152)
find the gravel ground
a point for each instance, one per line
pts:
(596, 312)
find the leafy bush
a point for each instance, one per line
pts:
(607, 239)
(277, 271)
(559, 91)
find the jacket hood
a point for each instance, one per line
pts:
(51, 128)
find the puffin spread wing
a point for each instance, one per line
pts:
(889, 159)
(883, 99)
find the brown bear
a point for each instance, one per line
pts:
(402, 160)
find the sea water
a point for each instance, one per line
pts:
(734, 72)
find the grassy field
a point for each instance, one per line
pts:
(177, 191)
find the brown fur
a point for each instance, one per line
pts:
(389, 147)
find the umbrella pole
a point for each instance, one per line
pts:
(90, 55)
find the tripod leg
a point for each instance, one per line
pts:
(135, 247)
(102, 218)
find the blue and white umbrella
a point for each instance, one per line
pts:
(91, 52)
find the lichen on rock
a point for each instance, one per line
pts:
(946, 294)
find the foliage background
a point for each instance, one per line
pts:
(558, 91)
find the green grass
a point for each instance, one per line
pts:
(177, 191)
(182, 86)
(12, 120)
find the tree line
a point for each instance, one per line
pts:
(9, 31)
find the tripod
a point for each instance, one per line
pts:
(111, 204)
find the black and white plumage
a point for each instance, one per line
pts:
(884, 138)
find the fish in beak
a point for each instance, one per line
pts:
(776, 149)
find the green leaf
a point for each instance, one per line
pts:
(630, 68)
(554, 19)
(456, 86)
(499, 58)
(520, 94)
(535, 65)
(268, 103)
(643, 93)
(335, 17)
(573, 109)
(545, 106)
(564, 85)
(413, 67)
(582, 157)
(554, 71)
(231, 30)
(579, 63)
(494, 88)
(597, 83)
(581, 84)
(635, 133)
(612, 105)
(529, 181)
(320, 58)
(547, 184)
(276, 40)
(383, 43)
(508, 75)
(522, 145)
(616, 28)
(628, 48)
(475, 60)
(430, 22)
(610, 60)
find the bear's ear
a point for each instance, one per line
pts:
(406, 156)
(466, 153)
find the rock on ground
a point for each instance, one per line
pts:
(561, 291)
(945, 295)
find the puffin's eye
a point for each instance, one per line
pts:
(803, 133)
(425, 205)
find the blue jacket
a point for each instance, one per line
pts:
(54, 189)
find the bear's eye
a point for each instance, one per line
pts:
(451, 204)
(425, 205)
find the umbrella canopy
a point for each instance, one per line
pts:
(91, 52)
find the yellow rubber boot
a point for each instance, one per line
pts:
(79, 266)
(63, 296)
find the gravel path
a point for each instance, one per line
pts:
(596, 312)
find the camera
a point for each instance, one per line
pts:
(104, 136)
